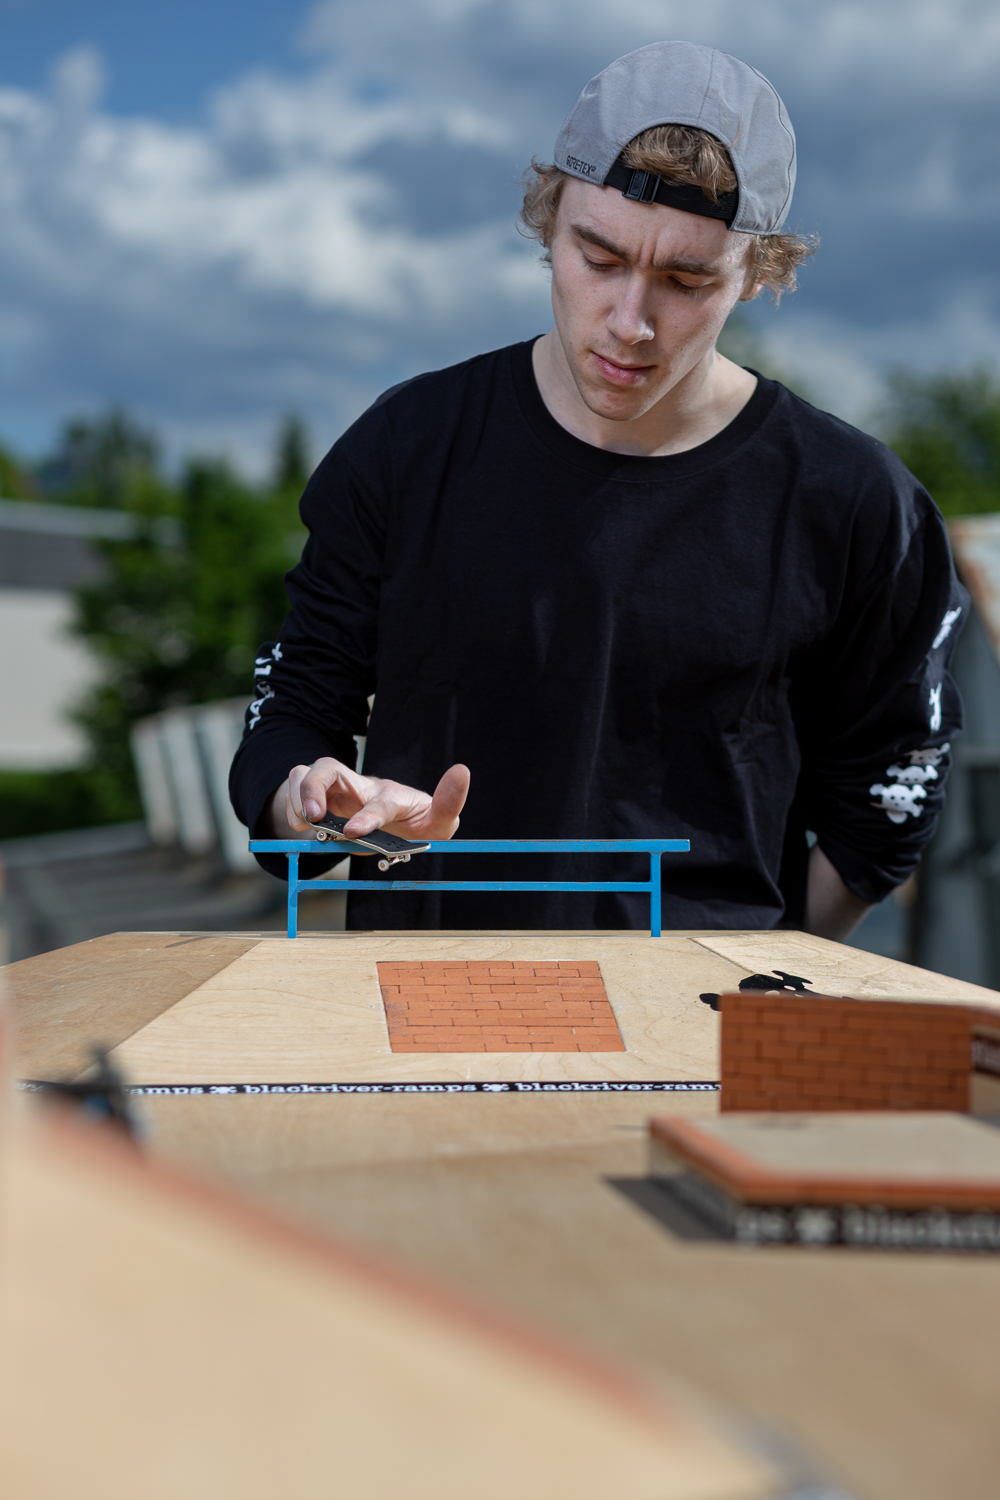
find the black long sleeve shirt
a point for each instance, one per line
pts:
(732, 645)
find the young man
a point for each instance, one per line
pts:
(638, 590)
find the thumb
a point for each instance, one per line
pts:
(449, 796)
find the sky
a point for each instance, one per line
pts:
(213, 214)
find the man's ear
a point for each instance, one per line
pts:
(750, 291)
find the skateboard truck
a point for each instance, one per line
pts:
(101, 1096)
(394, 851)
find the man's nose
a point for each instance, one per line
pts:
(629, 320)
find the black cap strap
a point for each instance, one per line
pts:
(646, 187)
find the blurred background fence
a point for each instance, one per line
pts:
(182, 759)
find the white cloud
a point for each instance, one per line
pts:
(270, 192)
(186, 243)
(943, 49)
(313, 239)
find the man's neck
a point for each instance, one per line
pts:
(701, 404)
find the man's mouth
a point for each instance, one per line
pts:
(619, 374)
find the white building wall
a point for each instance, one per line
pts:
(46, 671)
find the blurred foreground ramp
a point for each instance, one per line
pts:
(518, 1178)
(160, 1339)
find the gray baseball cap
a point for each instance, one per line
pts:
(682, 83)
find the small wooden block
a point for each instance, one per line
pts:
(816, 1052)
(907, 1180)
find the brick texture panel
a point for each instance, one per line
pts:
(823, 1053)
(498, 1007)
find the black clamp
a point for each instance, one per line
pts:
(642, 186)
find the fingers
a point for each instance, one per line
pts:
(412, 814)
(390, 805)
(310, 789)
(292, 807)
(448, 801)
(370, 803)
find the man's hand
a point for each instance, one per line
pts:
(367, 801)
(832, 911)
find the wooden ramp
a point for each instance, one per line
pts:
(159, 1339)
(532, 1196)
(517, 1007)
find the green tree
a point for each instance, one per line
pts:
(292, 466)
(179, 623)
(181, 611)
(111, 463)
(946, 429)
(16, 480)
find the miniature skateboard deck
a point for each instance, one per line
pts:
(394, 851)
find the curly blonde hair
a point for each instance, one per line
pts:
(680, 153)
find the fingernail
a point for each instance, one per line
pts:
(311, 811)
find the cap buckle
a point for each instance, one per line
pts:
(642, 187)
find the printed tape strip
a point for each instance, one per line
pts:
(643, 1086)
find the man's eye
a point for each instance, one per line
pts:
(601, 265)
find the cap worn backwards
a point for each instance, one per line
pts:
(682, 83)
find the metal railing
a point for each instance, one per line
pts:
(293, 848)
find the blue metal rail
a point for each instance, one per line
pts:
(651, 887)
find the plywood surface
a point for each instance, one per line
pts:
(912, 1146)
(152, 1337)
(908, 1161)
(837, 969)
(263, 1138)
(99, 992)
(236, 1007)
(884, 1367)
(312, 1010)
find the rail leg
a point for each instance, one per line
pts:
(293, 895)
(655, 913)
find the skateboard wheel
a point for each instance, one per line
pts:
(383, 864)
(322, 835)
(404, 859)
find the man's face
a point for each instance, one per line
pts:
(640, 293)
